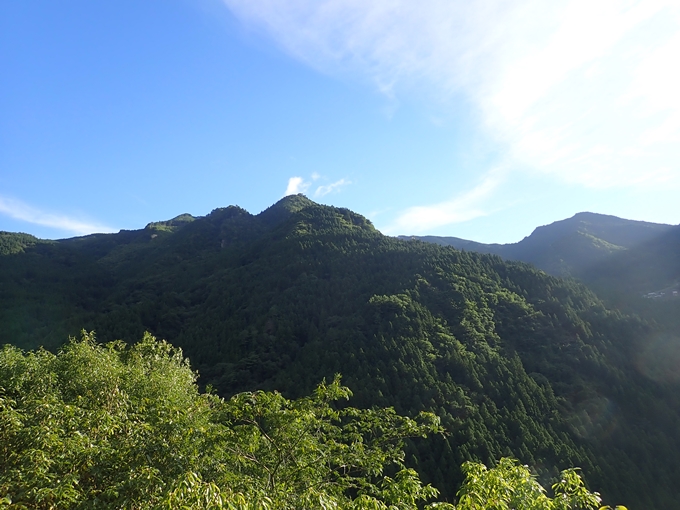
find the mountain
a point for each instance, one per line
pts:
(649, 267)
(632, 265)
(644, 280)
(570, 247)
(515, 362)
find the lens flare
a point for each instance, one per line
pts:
(659, 359)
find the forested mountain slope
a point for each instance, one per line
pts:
(514, 361)
(645, 280)
(570, 247)
(645, 268)
(632, 265)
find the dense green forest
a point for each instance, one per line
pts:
(514, 362)
(632, 265)
(112, 426)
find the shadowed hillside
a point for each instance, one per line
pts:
(568, 247)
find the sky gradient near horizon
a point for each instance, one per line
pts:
(475, 119)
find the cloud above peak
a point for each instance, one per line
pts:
(296, 185)
(580, 90)
(300, 185)
(330, 188)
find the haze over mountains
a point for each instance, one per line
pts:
(514, 361)
(603, 250)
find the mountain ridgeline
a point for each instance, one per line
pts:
(632, 265)
(575, 247)
(514, 361)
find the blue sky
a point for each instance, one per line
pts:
(476, 119)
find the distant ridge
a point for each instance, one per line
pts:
(569, 247)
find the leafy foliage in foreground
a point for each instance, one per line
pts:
(126, 427)
(511, 486)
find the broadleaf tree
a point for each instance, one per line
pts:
(118, 426)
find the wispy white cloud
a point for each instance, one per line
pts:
(594, 104)
(300, 185)
(581, 90)
(296, 185)
(20, 211)
(330, 188)
(464, 207)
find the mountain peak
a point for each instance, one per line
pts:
(587, 215)
(284, 208)
(609, 219)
